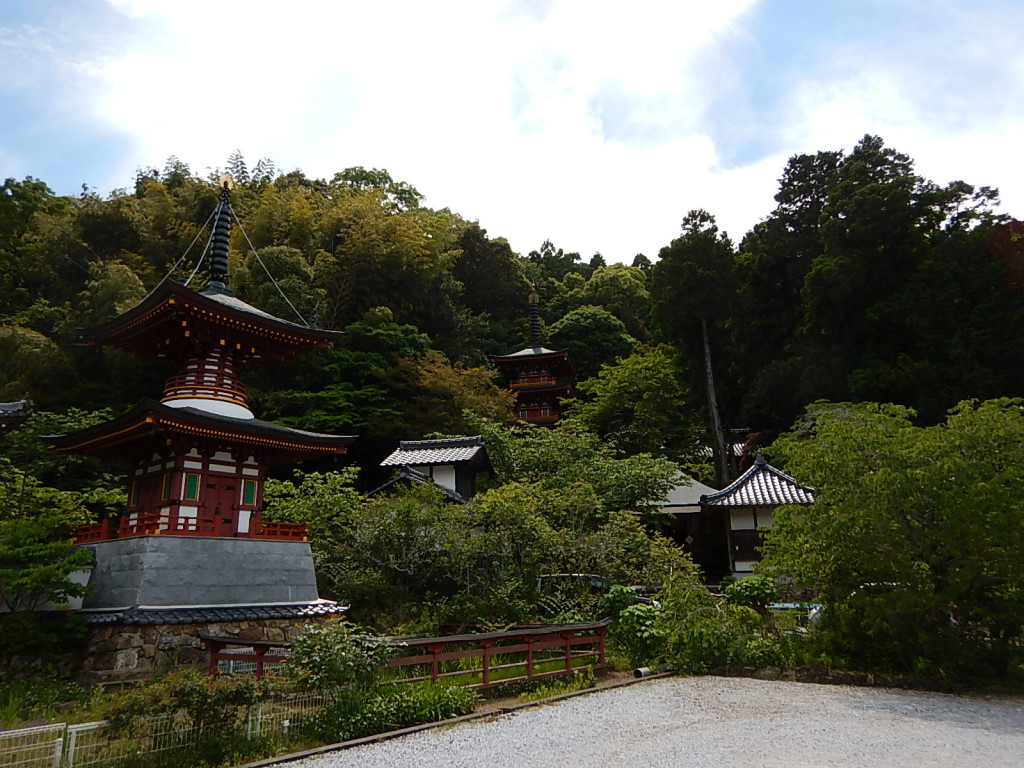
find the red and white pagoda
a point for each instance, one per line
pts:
(540, 377)
(191, 546)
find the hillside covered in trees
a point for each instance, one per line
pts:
(866, 282)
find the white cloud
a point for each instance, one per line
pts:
(485, 108)
(591, 123)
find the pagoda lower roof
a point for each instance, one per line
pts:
(171, 313)
(153, 421)
(203, 614)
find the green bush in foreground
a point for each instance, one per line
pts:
(360, 710)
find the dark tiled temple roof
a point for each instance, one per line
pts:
(12, 414)
(201, 614)
(411, 476)
(159, 314)
(146, 420)
(15, 408)
(418, 453)
(761, 485)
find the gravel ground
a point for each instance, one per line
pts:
(724, 723)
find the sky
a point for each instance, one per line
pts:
(596, 125)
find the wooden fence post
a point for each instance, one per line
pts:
(486, 645)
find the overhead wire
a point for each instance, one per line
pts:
(265, 269)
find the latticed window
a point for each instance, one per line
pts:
(191, 487)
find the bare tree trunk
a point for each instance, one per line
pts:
(717, 434)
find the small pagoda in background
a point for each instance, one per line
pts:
(539, 377)
(191, 548)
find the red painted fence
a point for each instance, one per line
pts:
(564, 644)
(505, 657)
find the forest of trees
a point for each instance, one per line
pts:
(865, 283)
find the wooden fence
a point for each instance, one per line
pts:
(483, 660)
(504, 657)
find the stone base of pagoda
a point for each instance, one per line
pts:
(168, 571)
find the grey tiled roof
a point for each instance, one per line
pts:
(684, 495)
(418, 453)
(15, 408)
(761, 485)
(205, 614)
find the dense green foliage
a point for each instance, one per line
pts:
(360, 711)
(562, 502)
(915, 544)
(866, 282)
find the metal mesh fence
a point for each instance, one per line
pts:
(246, 667)
(98, 745)
(37, 747)
(283, 716)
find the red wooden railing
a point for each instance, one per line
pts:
(287, 531)
(564, 644)
(154, 523)
(151, 523)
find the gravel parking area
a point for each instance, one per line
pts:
(721, 723)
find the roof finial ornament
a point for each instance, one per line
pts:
(534, 317)
(218, 274)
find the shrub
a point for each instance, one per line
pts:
(37, 700)
(325, 657)
(638, 635)
(364, 710)
(205, 700)
(214, 706)
(754, 592)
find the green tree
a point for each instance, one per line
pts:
(593, 336)
(36, 557)
(692, 287)
(914, 526)
(559, 457)
(870, 282)
(326, 501)
(33, 366)
(622, 291)
(641, 404)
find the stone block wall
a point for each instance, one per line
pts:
(123, 653)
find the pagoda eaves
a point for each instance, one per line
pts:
(172, 318)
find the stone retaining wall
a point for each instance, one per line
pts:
(122, 653)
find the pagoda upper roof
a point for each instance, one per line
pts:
(558, 357)
(151, 421)
(533, 352)
(171, 313)
(760, 486)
